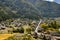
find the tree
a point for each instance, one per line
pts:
(28, 30)
(19, 30)
(44, 25)
(53, 25)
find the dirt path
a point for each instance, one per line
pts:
(5, 36)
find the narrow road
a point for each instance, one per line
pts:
(36, 30)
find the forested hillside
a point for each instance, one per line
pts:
(47, 9)
(32, 9)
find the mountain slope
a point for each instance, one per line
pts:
(47, 9)
(19, 8)
(32, 9)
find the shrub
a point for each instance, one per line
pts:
(44, 25)
(28, 30)
(19, 30)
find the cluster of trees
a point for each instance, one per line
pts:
(18, 30)
(52, 26)
(3, 16)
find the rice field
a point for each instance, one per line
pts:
(5, 36)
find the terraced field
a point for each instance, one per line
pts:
(5, 36)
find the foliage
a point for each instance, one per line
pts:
(53, 25)
(3, 16)
(28, 30)
(44, 25)
(19, 30)
(32, 9)
(24, 37)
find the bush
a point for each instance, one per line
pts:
(19, 30)
(28, 30)
(44, 25)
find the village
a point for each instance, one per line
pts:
(29, 27)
